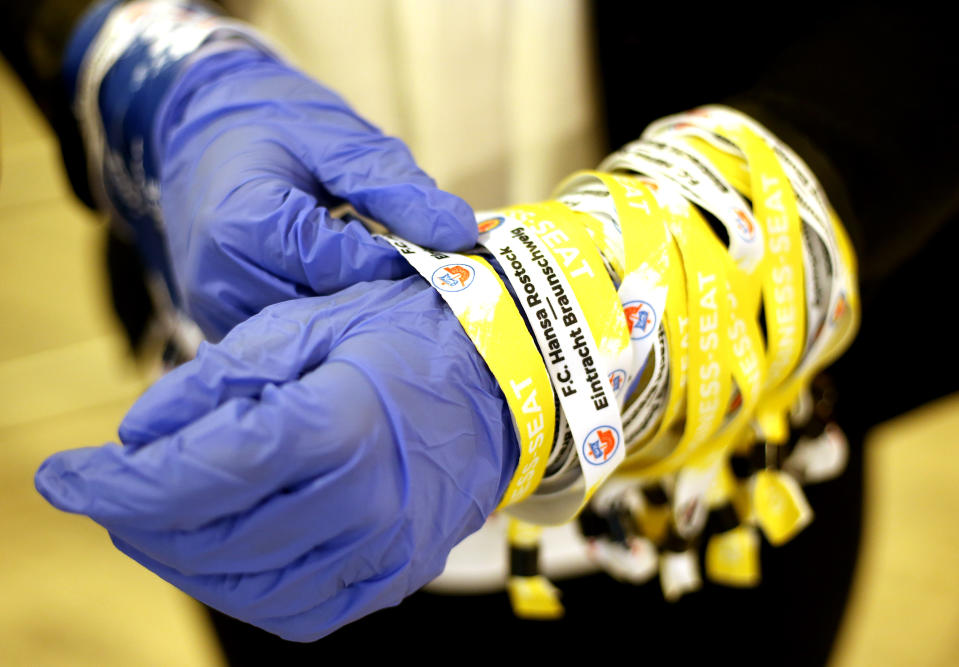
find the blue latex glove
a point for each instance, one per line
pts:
(255, 153)
(316, 465)
(225, 161)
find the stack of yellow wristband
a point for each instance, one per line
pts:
(677, 302)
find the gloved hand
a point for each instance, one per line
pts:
(225, 162)
(255, 153)
(317, 464)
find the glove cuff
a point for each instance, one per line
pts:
(121, 62)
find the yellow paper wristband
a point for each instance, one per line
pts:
(485, 309)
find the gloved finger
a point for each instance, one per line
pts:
(235, 268)
(337, 581)
(273, 347)
(378, 175)
(362, 376)
(298, 515)
(221, 464)
(326, 534)
(311, 536)
(252, 227)
(249, 447)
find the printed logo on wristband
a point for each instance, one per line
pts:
(490, 224)
(452, 277)
(600, 444)
(617, 378)
(745, 226)
(671, 160)
(491, 321)
(640, 318)
(826, 273)
(639, 241)
(561, 285)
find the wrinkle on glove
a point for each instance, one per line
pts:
(316, 465)
(253, 156)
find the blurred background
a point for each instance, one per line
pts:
(67, 597)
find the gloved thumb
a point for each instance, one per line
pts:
(379, 177)
(275, 347)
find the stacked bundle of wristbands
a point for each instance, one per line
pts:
(661, 322)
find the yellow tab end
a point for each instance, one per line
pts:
(534, 598)
(722, 488)
(523, 534)
(780, 505)
(655, 522)
(732, 558)
(774, 425)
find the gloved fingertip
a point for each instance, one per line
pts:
(451, 229)
(425, 215)
(454, 227)
(58, 481)
(174, 400)
(133, 433)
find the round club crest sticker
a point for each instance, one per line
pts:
(490, 224)
(453, 277)
(745, 228)
(617, 378)
(600, 444)
(640, 318)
